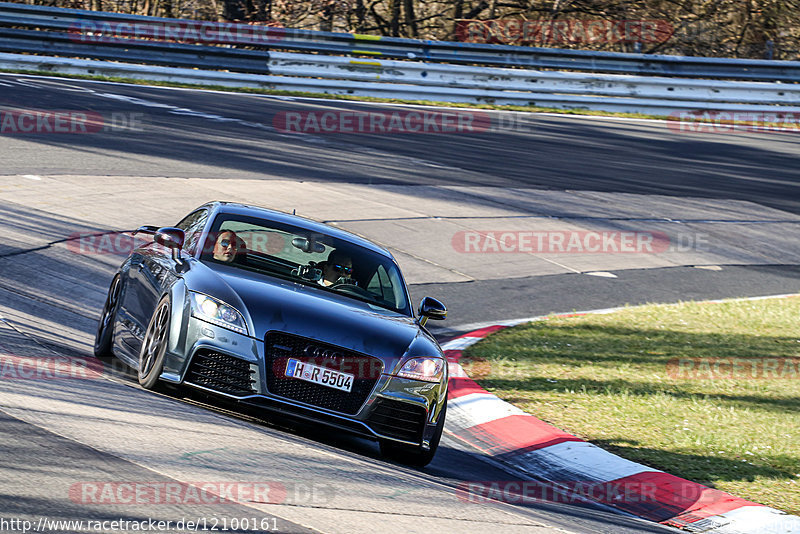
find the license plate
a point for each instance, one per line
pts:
(319, 375)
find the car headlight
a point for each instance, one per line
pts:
(426, 369)
(217, 312)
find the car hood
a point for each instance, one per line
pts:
(276, 304)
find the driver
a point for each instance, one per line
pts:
(338, 267)
(226, 247)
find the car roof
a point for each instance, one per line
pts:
(246, 210)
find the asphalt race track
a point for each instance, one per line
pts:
(413, 193)
(543, 152)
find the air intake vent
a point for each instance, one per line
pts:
(222, 373)
(397, 419)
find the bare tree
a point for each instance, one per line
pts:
(410, 18)
(726, 28)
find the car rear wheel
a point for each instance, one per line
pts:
(151, 356)
(411, 455)
(103, 341)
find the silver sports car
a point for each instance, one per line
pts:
(283, 313)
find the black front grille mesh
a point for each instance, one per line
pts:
(280, 347)
(222, 373)
(397, 419)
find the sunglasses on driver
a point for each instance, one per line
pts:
(342, 268)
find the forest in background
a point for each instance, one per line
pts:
(721, 28)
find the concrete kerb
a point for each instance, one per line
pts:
(525, 444)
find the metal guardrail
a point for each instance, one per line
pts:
(44, 32)
(135, 51)
(529, 84)
(449, 83)
(22, 15)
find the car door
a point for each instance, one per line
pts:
(130, 313)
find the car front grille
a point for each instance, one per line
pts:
(223, 373)
(280, 347)
(397, 419)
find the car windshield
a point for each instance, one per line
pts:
(322, 261)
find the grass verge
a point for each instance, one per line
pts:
(636, 383)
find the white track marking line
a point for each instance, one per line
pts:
(482, 408)
(580, 457)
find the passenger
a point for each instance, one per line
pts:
(337, 268)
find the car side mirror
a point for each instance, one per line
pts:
(171, 238)
(430, 308)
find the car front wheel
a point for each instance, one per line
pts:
(151, 356)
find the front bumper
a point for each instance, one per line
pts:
(236, 367)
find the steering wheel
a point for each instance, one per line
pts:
(348, 285)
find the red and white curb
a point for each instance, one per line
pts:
(518, 440)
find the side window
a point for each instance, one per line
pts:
(192, 225)
(379, 285)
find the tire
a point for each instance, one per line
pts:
(414, 456)
(154, 345)
(104, 339)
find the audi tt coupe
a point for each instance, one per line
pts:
(286, 314)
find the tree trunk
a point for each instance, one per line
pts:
(326, 18)
(233, 10)
(360, 12)
(411, 18)
(457, 13)
(492, 9)
(394, 21)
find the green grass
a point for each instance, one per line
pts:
(607, 378)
